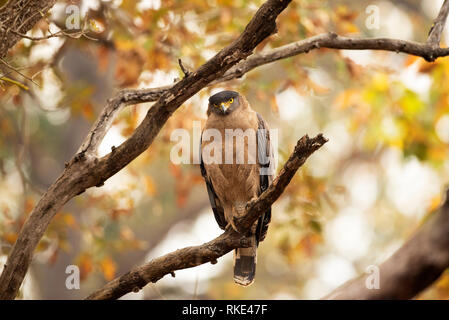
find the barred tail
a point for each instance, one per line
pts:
(245, 264)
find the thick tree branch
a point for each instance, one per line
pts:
(190, 257)
(154, 270)
(20, 16)
(412, 268)
(85, 171)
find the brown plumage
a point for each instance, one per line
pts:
(234, 180)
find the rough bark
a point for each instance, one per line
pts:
(17, 17)
(438, 25)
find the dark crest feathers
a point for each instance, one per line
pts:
(222, 96)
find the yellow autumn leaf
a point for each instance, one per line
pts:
(435, 202)
(108, 268)
(69, 220)
(318, 89)
(127, 234)
(86, 265)
(438, 153)
(345, 99)
(29, 205)
(409, 60)
(96, 26)
(349, 27)
(10, 237)
(150, 186)
(88, 111)
(308, 24)
(380, 82)
(124, 45)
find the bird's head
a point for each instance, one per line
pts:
(224, 102)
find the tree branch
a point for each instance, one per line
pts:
(85, 170)
(326, 40)
(412, 268)
(333, 41)
(184, 70)
(304, 148)
(74, 34)
(438, 25)
(154, 270)
(190, 257)
(20, 16)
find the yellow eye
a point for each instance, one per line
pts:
(215, 105)
(231, 100)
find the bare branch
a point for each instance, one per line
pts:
(113, 106)
(9, 66)
(154, 270)
(438, 25)
(334, 41)
(71, 33)
(327, 40)
(209, 252)
(412, 268)
(183, 69)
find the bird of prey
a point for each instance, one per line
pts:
(231, 182)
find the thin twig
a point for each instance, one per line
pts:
(183, 69)
(75, 34)
(17, 70)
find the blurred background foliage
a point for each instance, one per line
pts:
(352, 205)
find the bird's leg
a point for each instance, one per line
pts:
(240, 208)
(250, 202)
(238, 211)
